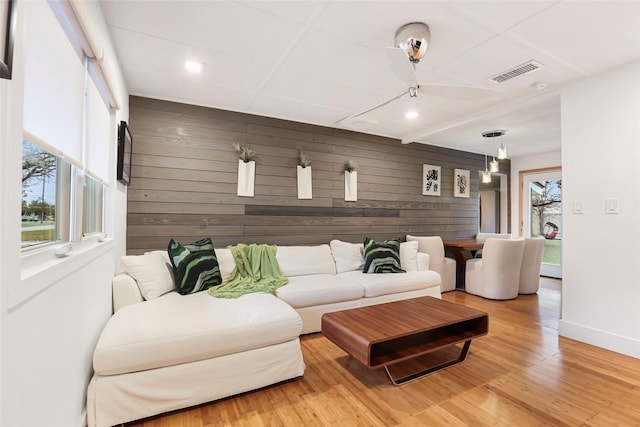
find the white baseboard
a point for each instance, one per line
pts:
(599, 338)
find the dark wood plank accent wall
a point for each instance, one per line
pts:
(184, 178)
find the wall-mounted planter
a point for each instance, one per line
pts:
(246, 178)
(304, 183)
(351, 186)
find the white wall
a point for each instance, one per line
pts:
(524, 163)
(47, 340)
(601, 253)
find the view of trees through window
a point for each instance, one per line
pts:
(546, 216)
(39, 175)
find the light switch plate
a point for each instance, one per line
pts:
(578, 207)
(611, 206)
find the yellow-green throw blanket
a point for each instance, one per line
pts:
(256, 270)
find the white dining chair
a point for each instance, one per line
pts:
(530, 267)
(497, 274)
(484, 236)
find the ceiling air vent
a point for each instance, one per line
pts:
(527, 67)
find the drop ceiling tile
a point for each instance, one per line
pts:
(146, 54)
(320, 55)
(224, 26)
(303, 12)
(190, 92)
(289, 109)
(383, 18)
(501, 54)
(500, 15)
(591, 36)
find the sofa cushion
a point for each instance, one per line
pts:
(383, 284)
(347, 256)
(195, 267)
(305, 291)
(225, 262)
(409, 256)
(151, 271)
(305, 260)
(175, 329)
(382, 257)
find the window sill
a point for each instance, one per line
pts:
(34, 280)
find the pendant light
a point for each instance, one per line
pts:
(486, 174)
(493, 164)
(502, 150)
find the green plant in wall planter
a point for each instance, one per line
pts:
(245, 153)
(350, 181)
(246, 169)
(303, 160)
(305, 187)
(350, 166)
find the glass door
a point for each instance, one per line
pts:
(542, 216)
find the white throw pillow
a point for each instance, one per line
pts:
(152, 272)
(348, 256)
(409, 256)
(305, 260)
(225, 262)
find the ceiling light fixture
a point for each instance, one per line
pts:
(493, 166)
(193, 66)
(411, 115)
(486, 174)
(502, 151)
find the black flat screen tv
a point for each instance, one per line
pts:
(125, 143)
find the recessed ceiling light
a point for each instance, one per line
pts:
(411, 115)
(193, 66)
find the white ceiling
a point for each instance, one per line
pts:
(319, 61)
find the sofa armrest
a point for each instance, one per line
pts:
(423, 261)
(448, 275)
(125, 291)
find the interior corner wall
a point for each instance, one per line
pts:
(601, 252)
(47, 341)
(184, 182)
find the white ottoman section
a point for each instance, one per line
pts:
(178, 351)
(180, 329)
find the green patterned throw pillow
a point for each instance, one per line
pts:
(382, 257)
(195, 266)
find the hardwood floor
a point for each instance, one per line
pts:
(521, 374)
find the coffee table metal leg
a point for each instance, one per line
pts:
(432, 369)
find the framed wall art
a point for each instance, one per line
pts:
(461, 183)
(7, 35)
(431, 180)
(125, 143)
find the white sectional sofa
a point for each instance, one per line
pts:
(162, 351)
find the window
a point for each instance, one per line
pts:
(93, 206)
(45, 196)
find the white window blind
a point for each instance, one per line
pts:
(53, 84)
(97, 144)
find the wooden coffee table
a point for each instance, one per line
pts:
(388, 334)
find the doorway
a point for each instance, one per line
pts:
(493, 212)
(541, 214)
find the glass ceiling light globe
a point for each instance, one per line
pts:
(486, 177)
(502, 152)
(493, 166)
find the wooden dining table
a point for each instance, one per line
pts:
(462, 250)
